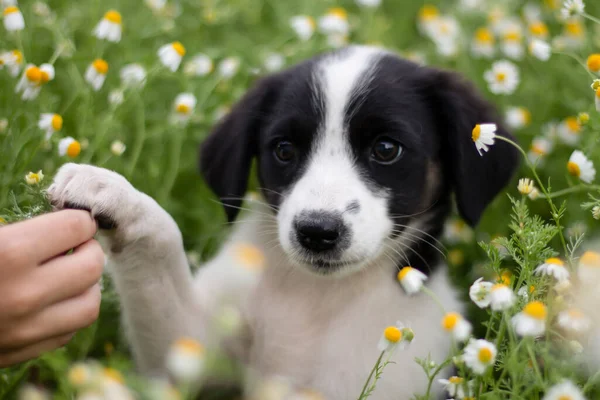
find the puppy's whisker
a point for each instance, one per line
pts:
(417, 239)
(273, 207)
(423, 232)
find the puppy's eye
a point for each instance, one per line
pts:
(285, 151)
(386, 151)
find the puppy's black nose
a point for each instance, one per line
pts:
(319, 231)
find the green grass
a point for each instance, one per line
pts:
(161, 159)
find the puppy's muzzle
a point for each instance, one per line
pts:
(320, 231)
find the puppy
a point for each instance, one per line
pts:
(358, 153)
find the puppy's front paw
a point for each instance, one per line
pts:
(105, 194)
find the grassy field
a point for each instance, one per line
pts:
(244, 39)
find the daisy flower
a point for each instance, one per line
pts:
(117, 148)
(572, 8)
(96, 72)
(455, 386)
(482, 44)
(483, 135)
(479, 292)
(456, 230)
(569, 131)
(109, 27)
(69, 147)
(171, 54)
(525, 291)
(31, 392)
(116, 97)
(368, 3)
(588, 269)
(574, 321)
(83, 374)
(47, 71)
(274, 62)
(501, 297)
(518, 117)
(581, 167)
(390, 337)
(593, 62)
(33, 178)
(535, 193)
(457, 326)
(133, 75)
(525, 186)
(411, 280)
(532, 320)
(554, 267)
(50, 123)
(503, 78)
(427, 15)
(303, 25)
(596, 212)
(228, 67)
(185, 360)
(337, 40)
(30, 83)
(512, 42)
(574, 34)
(156, 5)
(540, 49)
(540, 147)
(13, 60)
(538, 30)
(183, 107)
(565, 390)
(444, 32)
(479, 355)
(199, 65)
(335, 21)
(13, 19)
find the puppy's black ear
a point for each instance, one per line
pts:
(476, 179)
(226, 155)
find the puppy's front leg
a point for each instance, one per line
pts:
(146, 259)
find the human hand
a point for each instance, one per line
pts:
(45, 294)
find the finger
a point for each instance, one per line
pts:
(48, 235)
(33, 350)
(67, 276)
(58, 319)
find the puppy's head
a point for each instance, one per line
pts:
(353, 147)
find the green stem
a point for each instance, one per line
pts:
(579, 60)
(139, 139)
(432, 377)
(591, 18)
(435, 298)
(364, 389)
(534, 362)
(175, 155)
(56, 54)
(573, 189)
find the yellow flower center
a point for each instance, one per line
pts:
(33, 178)
(45, 77)
(11, 10)
(57, 122)
(78, 375)
(179, 49)
(456, 380)
(428, 12)
(250, 257)
(498, 286)
(555, 261)
(573, 124)
(392, 334)
(593, 62)
(113, 374)
(18, 56)
(485, 355)
(536, 310)
(476, 133)
(101, 66)
(538, 29)
(526, 115)
(531, 289)
(188, 345)
(33, 74)
(552, 4)
(574, 28)
(500, 76)
(505, 278)
(573, 169)
(590, 259)
(113, 16)
(338, 12)
(513, 36)
(596, 84)
(74, 149)
(182, 109)
(484, 35)
(538, 150)
(450, 320)
(403, 272)
(565, 397)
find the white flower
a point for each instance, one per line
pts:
(532, 13)
(572, 8)
(228, 67)
(156, 5)
(30, 82)
(538, 29)
(554, 267)
(525, 186)
(390, 337)
(503, 78)
(501, 297)
(518, 117)
(483, 135)
(96, 72)
(455, 386)
(444, 32)
(69, 147)
(183, 107)
(30, 392)
(47, 71)
(171, 54)
(597, 100)
(33, 178)
(512, 39)
(84, 374)
(588, 269)
(274, 62)
(116, 97)
(565, 390)
(479, 292)
(185, 360)
(532, 320)
(482, 44)
(540, 49)
(456, 230)
(596, 212)
(428, 14)
(573, 320)
(109, 27)
(457, 326)
(133, 75)
(50, 123)
(368, 3)
(479, 355)
(411, 279)
(569, 131)
(470, 5)
(117, 148)
(335, 21)
(13, 19)
(581, 167)
(199, 65)
(303, 25)
(13, 60)
(540, 147)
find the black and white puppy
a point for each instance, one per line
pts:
(358, 155)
